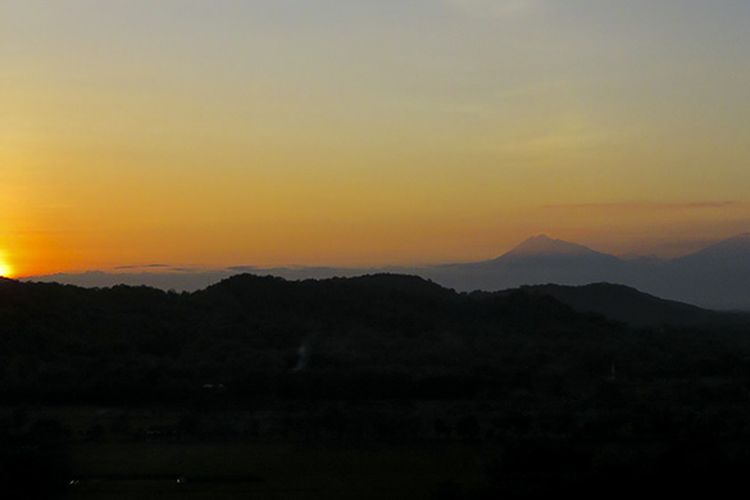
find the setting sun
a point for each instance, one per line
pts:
(6, 271)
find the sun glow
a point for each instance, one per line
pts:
(6, 271)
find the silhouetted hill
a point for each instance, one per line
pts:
(276, 291)
(628, 305)
(67, 342)
(370, 336)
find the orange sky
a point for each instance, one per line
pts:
(366, 133)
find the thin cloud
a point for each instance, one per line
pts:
(695, 205)
(163, 268)
(142, 266)
(242, 269)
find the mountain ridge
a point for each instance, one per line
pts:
(716, 277)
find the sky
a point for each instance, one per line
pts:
(367, 132)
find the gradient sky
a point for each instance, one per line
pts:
(367, 132)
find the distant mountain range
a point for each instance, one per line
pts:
(716, 277)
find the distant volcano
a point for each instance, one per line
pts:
(542, 246)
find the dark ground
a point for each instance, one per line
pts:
(374, 387)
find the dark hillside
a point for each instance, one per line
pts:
(392, 334)
(628, 305)
(61, 342)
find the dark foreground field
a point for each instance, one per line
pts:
(377, 450)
